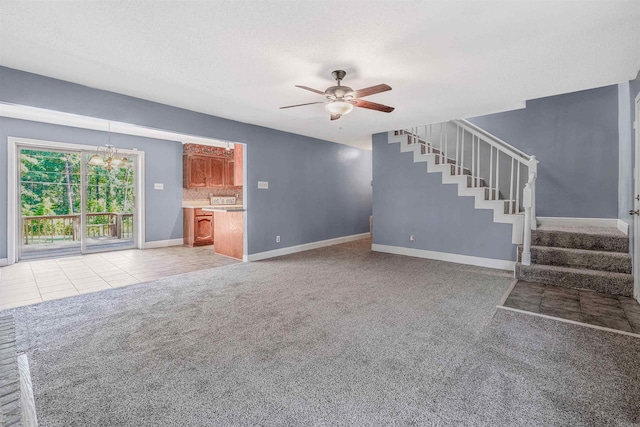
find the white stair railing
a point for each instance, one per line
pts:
(488, 160)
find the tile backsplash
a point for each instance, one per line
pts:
(205, 193)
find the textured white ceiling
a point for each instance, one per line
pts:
(241, 59)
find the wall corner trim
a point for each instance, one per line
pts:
(4, 262)
(163, 243)
(304, 247)
(623, 226)
(498, 264)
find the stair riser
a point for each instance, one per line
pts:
(473, 182)
(592, 242)
(619, 285)
(455, 171)
(612, 261)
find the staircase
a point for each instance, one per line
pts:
(502, 178)
(592, 258)
(484, 167)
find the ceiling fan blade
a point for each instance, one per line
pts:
(311, 89)
(300, 105)
(335, 116)
(371, 90)
(373, 106)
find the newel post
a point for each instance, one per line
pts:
(527, 202)
(533, 169)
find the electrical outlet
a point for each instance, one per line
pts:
(412, 238)
(277, 239)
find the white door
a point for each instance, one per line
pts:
(636, 203)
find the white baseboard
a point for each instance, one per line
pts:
(163, 243)
(444, 256)
(623, 226)
(4, 262)
(301, 248)
(584, 222)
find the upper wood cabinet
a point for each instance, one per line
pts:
(196, 170)
(229, 179)
(216, 176)
(209, 167)
(237, 159)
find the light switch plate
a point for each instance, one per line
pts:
(158, 186)
(263, 185)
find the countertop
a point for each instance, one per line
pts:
(224, 208)
(238, 207)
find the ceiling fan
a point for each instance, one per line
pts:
(342, 99)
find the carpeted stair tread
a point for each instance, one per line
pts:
(616, 262)
(588, 238)
(583, 229)
(567, 277)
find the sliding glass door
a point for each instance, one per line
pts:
(109, 203)
(50, 203)
(75, 202)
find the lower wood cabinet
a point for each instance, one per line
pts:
(197, 227)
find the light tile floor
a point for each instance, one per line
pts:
(32, 282)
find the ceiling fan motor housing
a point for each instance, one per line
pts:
(339, 92)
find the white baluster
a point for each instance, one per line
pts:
(497, 195)
(491, 170)
(440, 146)
(462, 155)
(511, 183)
(473, 160)
(445, 155)
(478, 159)
(457, 166)
(517, 207)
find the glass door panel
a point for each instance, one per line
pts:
(109, 203)
(50, 194)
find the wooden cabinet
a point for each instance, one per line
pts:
(229, 229)
(197, 227)
(196, 170)
(210, 167)
(230, 176)
(217, 167)
(238, 161)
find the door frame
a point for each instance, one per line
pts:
(13, 192)
(635, 202)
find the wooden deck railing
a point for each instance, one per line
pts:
(52, 228)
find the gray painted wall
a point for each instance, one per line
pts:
(317, 189)
(575, 138)
(408, 200)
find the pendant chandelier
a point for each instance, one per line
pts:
(108, 157)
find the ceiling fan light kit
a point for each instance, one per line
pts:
(338, 107)
(342, 99)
